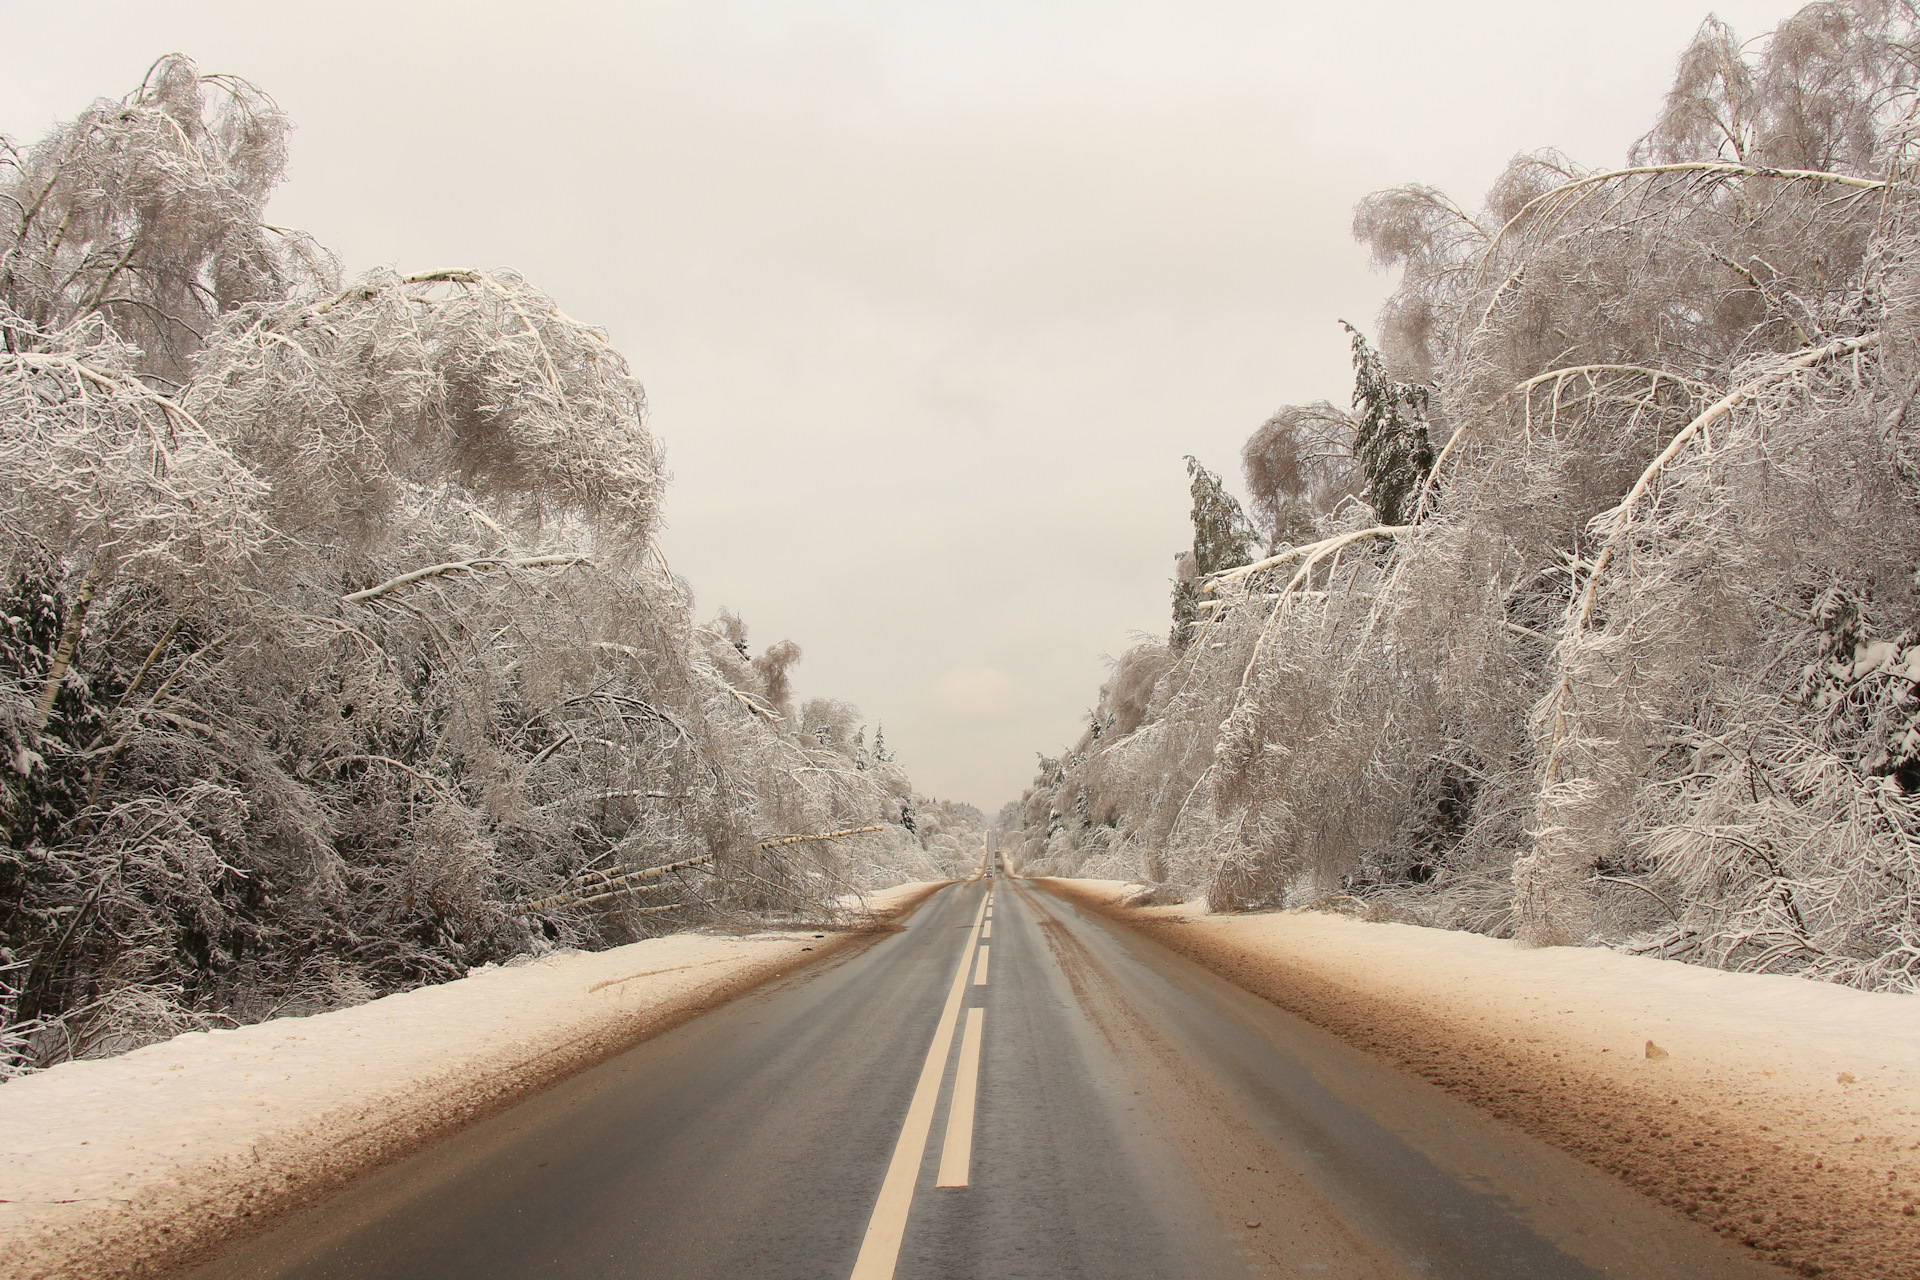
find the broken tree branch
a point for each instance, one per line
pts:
(825, 835)
(603, 884)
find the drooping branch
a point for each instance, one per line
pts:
(1575, 371)
(1621, 515)
(1310, 556)
(1555, 376)
(130, 386)
(389, 761)
(752, 704)
(1312, 550)
(477, 565)
(1714, 168)
(1635, 884)
(1620, 518)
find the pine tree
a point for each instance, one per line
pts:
(1223, 538)
(1390, 438)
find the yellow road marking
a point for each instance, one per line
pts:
(956, 1151)
(986, 930)
(980, 970)
(880, 1249)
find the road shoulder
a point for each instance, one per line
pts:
(1783, 1114)
(143, 1164)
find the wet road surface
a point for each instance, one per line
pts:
(1005, 1088)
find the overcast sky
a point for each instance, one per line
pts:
(930, 296)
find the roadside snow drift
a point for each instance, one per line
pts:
(1784, 1113)
(129, 1165)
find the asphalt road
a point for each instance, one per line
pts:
(1133, 1118)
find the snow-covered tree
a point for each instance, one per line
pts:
(1390, 445)
(1620, 652)
(1298, 464)
(335, 652)
(1222, 538)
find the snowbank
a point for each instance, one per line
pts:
(1784, 1112)
(127, 1165)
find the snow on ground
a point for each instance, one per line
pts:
(1702, 1087)
(884, 902)
(1825, 1060)
(117, 1165)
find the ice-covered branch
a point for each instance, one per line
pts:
(1618, 520)
(824, 835)
(1311, 551)
(1583, 370)
(603, 883)
(462, 566)
(1711, 168)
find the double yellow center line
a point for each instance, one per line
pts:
(880, 1249)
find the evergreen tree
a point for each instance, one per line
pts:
(1223, 538)
(1390, 433)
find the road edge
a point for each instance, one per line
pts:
(187, 1225)
(1708, 1165)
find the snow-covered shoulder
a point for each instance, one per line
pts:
(1822, 1053)
(129, 1155)
(1778, 1110)
(894, 899)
